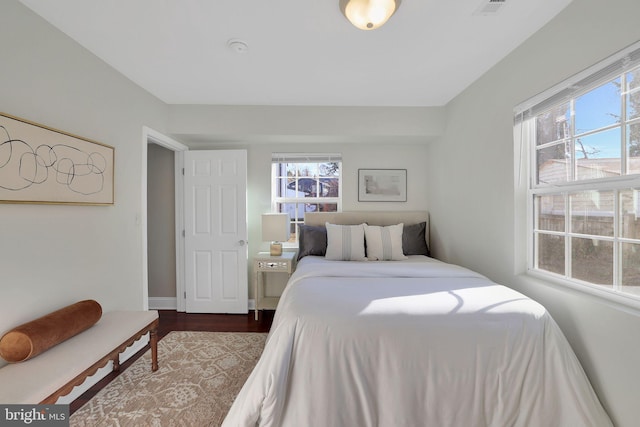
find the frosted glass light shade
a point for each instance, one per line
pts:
(368, 14)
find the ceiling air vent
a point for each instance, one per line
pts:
(489, 7)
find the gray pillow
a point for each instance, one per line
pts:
(413, 239)
(312, 240)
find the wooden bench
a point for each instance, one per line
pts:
(55, 372)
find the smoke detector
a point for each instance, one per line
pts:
(237, 45)
(489, 7)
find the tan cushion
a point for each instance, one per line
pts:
(36, 379)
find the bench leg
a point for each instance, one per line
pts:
(153, 341)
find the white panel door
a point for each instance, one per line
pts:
(216, 231)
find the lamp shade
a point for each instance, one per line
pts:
(275, 227)
(368, 14)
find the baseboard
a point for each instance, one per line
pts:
(166, 303)
(163, 303)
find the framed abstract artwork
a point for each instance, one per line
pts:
(39, 164)
(382, 185)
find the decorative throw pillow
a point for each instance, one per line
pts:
(32, 338)
(413, 239)
(384, 243)
(312, 240)
(345, 242)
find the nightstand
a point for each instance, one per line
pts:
(265, 263)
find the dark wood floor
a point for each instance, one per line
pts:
(170, 320)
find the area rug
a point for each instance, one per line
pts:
(200, 375)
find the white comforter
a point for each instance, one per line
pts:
(412, 343)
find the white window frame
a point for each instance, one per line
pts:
(277, 158)
(527, 189)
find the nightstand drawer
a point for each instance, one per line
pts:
(273, 265)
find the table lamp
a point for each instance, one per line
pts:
(275, 229)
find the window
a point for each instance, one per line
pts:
(583, 138)
(305, 183)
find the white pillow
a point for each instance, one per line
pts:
(345, 242)
(384, 243)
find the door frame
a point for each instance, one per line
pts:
(151, 136)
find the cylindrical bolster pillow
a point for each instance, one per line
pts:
(30, 339)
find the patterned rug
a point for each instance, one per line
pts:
(200, 375)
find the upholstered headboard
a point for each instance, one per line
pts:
(381, 218)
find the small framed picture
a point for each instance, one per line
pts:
(382, 185)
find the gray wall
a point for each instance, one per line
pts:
(161, 220)
(472, 190)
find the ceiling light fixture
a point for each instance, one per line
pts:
(369, 14)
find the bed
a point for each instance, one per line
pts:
(409, 342)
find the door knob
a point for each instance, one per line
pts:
(242, 242)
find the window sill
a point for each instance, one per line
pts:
(612, 298)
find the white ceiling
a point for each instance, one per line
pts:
(301, 52)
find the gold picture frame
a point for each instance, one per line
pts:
(39, 164)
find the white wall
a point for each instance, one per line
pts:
(199, 125)
(471, 189)
(367, 137)
(391, 155)
(54, 255)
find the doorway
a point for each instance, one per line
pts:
(161, 227)
(229, 288)
(152, 137)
